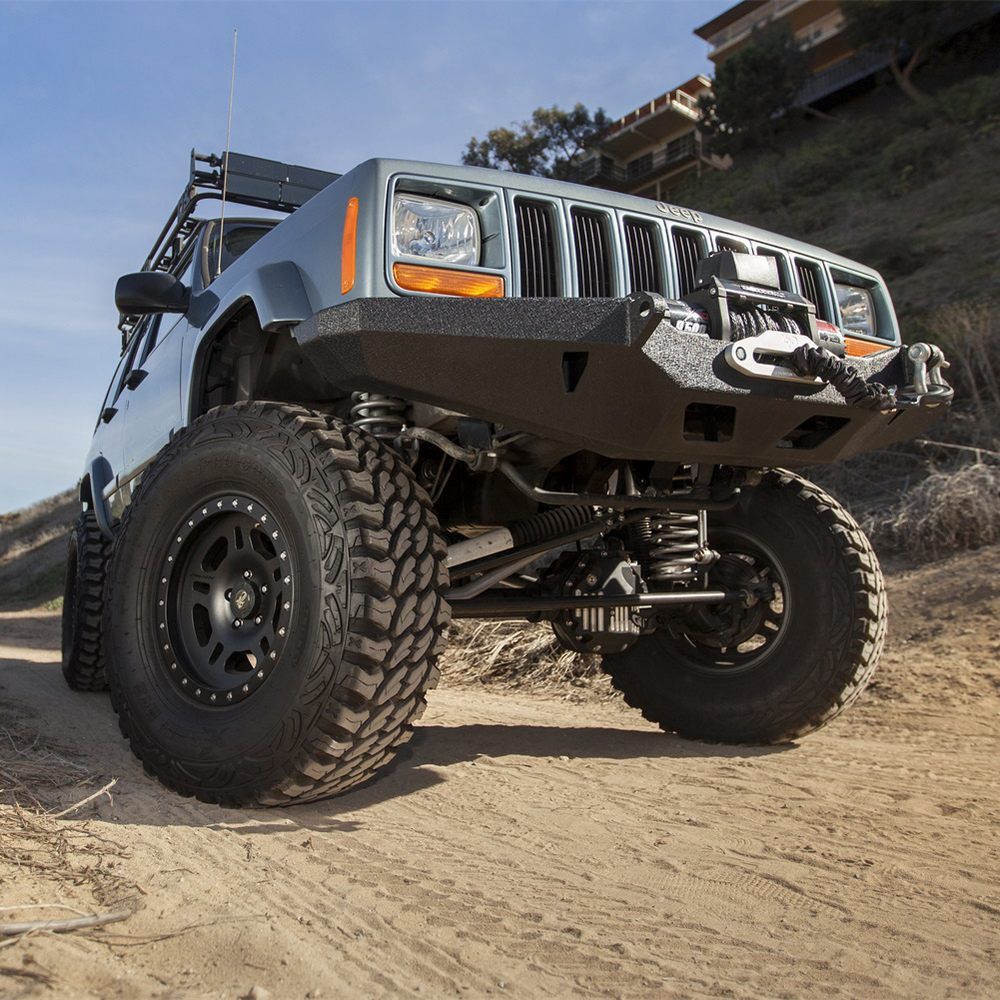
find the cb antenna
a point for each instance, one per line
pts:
(225, 159)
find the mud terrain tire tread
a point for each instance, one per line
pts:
(83, 602)
(823, 692)
(359, 712)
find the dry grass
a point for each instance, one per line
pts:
(520, 655)
(32, 771)
(969, 333)
(940, 494)
(947, 512)
(49, 866)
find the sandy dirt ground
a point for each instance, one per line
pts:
(531, 846)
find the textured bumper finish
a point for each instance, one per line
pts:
(607, 375)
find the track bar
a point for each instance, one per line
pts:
(527, 606)
(615, 501)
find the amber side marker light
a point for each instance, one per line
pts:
(855, 348)
(349, 247)
(419, 278)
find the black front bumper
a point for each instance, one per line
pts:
(611, 376)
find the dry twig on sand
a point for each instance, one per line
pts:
(104, 790)
(61, 926)
(42, 857)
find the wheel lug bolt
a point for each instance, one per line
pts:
(257, 620)
(229, 595)
(247, 574)
(263, 589)
(237, 623)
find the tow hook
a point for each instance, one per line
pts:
(928, 387)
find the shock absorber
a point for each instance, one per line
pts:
(382, 416)
(675, 546)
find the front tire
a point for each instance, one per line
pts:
(788, 665)
(279, 608)
(83, 601)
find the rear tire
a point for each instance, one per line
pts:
(316, 538)
(83, 600)
(788, 666)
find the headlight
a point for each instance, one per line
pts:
(857, 309)
(435, 230)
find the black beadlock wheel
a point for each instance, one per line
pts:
(83, 600)
(278, 610)
(794, 659)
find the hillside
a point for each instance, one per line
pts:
(912, 190)
(33, 548)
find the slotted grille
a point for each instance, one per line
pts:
(689, 250)
(779, 263)
(642, 247)
(536, 249)
(734, 246)
(809, 283)
(593, 258)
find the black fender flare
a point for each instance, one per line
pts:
(94, 484)
(276, 293)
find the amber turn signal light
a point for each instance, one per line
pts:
(855, 348)
(442, 281)
(349, 247)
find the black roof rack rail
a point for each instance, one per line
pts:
(251, 181)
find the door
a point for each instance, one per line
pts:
(152, 395)
(107, 442)
(153, 405)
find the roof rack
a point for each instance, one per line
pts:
(251, 181)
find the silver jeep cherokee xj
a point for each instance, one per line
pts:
(431, 392)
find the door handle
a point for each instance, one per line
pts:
(134, 378)
(107, 413)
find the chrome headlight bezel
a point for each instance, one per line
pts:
(452, 231)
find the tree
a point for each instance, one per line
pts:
(907, 29)
(752, 90)
(549, 145)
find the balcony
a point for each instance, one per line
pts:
(842, 74)
(655, 121)
(746, 25)
(602, 170)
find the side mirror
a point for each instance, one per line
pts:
(151, 292)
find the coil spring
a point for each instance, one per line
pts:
(671, 543)
(382, 416)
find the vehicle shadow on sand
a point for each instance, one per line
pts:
(88, 732)
(423, 762)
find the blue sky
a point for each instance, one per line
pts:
(101, 104)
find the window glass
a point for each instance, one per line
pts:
(116, 381)
(186, 277)
(236, 240)
(150, 344)
(138, 337)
